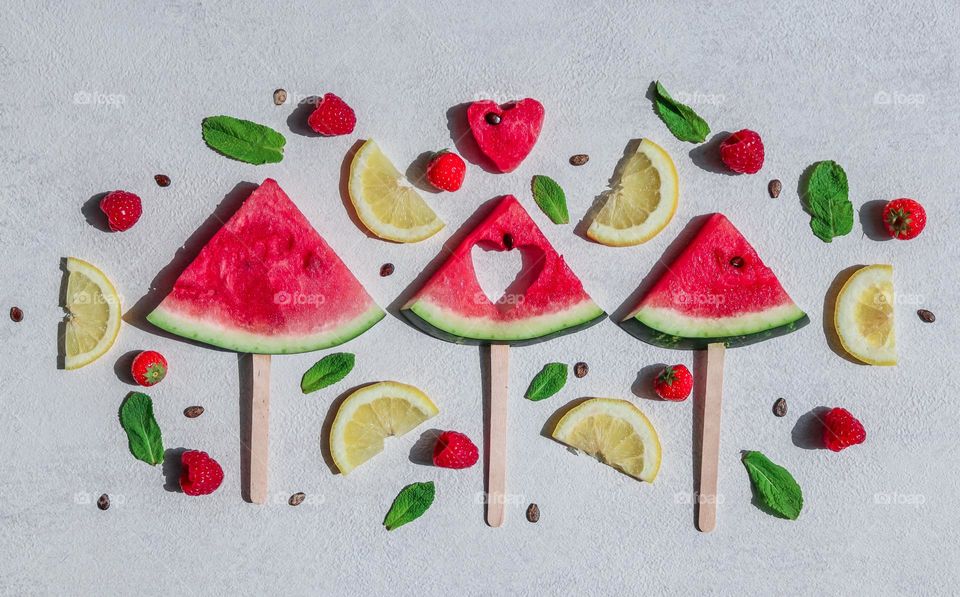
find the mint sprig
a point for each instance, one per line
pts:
(410, 504)
(683, 122)
(243, 140)
(551, 199)
(143, 433)
(774, 486)
(548, 382)
(327, 371)
(827, 198)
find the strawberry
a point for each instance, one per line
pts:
(904, 219)
(455, 450)
(842, 430)
(149, 368)
(122, 209)
(674, 383)
(446, 171)
(332, 117)
(742, 152)
(201, 475)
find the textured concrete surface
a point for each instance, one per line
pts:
(97, 96)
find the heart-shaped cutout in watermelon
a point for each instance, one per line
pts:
(548, 299)
(505, 275)
(505, 133)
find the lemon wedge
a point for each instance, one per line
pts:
(385, 201)
(93, 319)
(864, 316)
(614, 432)
(642, 201)
(370, 415)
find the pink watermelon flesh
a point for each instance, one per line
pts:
(508, 143)
(717, 290)
(549, 299)
(267, 283)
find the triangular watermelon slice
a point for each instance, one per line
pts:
(267, 283)
(452, 306)
(717, 290)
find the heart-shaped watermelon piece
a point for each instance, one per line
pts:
(505, 133)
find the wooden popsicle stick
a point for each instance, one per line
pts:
(497, 448)
(710, 439)
(260, 429)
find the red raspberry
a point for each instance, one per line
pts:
(742, 152)
(332, 117)
(446, 171)
(201, 474)
(842, 430)
(122, 209)
(674, 383)
(149, 368)
(904, 218)
(455, 450)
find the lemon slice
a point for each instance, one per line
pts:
(864, 315)
(386, 202)
(642, 201)
(370, 415)
(93, 319)
(614, 432)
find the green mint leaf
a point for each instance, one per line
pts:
(410, 504)
(551, 199)
(327, 371)
(683, 122)
(548, 382)
(243, 140)
(827, 200)
(143, 433)
(775, 487)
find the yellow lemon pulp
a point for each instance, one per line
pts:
(93, 319)
(616, 433)
(864, 316)
(385, 201)
(370, 415)
(643, 200)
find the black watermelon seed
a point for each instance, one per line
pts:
(780, 407)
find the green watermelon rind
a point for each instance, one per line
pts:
(244, 342)
(447, 325)
(671, 329)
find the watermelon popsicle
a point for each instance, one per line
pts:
(266, 283)
(550, 301)
(717, 293)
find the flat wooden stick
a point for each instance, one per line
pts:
(710, 440)
(497, 452)
(260, 429)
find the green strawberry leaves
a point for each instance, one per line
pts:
(551, 199)
(774, 486)
(827, 199)
(548, 382)
(243, 140)
(327, 371)
(410, 504)
(683, 122)
(143, 433)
